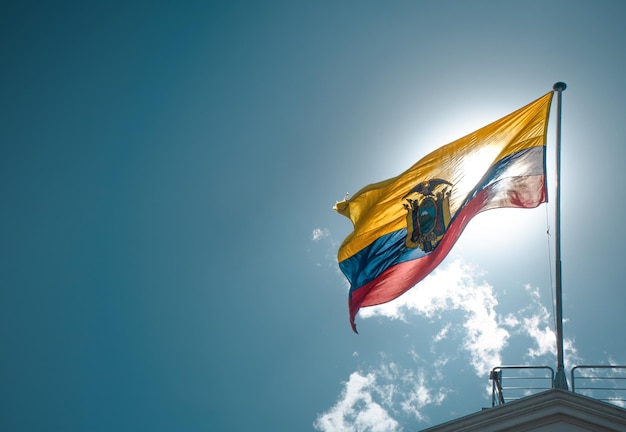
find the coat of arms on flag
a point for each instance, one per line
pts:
(428, 214)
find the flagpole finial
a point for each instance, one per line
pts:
(559, 86)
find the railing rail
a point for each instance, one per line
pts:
(519, 381)
(601, 382)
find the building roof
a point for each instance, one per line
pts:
(554, 410)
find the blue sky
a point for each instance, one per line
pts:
(168, 245)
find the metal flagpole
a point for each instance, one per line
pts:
(560, 380)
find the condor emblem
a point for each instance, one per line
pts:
(428, 213)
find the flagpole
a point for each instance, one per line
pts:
(560, 380)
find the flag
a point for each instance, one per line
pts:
(405, 226)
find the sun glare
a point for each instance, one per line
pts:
(473, 168)
(501, 228)
(505, 229)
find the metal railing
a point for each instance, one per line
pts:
(518, 382)
(601, 382)
(605, 383)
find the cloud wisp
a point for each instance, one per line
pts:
(356, 409)
(323, 250)
(455, 288)
(371, 401)
(536, 322)
(319, 233)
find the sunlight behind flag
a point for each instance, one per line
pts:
(405, 226)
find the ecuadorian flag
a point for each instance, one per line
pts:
(405, 226)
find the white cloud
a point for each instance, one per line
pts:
(420, 396)
(536, 321)
(356, 409)
(465, 310)
(511, 320)
(319, 233)
(485, 338)
(369, 401)
(323, 252)
(544, 338)
(455, 288)
(442, 334)
(439, 365)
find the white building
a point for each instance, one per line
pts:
(553, 410)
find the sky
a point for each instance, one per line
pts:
(167, 239)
